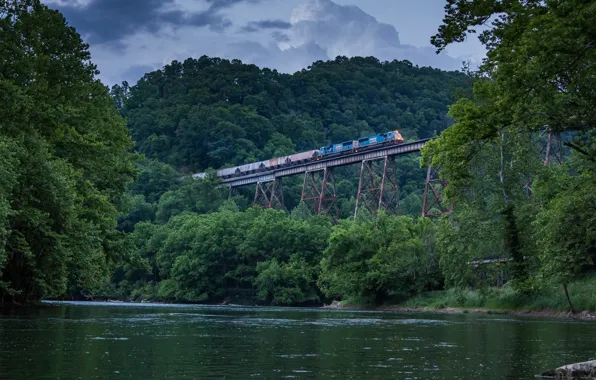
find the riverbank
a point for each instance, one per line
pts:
(584, 315)
(549, 302)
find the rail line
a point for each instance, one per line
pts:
(336, 161)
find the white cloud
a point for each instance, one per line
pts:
(320, 30)
(349, 31)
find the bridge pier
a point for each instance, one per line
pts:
(433, 189)
(232, 192)
(319, 193)
(553, 149)
(270, 194)
(378, 187)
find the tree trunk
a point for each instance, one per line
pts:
(571, 308)
(502, 169)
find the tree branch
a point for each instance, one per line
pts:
(581, 150)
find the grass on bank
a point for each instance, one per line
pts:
(581, 291)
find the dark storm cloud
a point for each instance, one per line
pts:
(221, 4)
(280, 37)
(255, 26)
(111, 20)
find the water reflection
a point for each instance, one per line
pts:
(99, 341)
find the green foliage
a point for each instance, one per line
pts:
(65, 158)
(466, 236)
(511, 241)
(291, 283)
(154, 179)
(210, 112)
(548, 298)
(566, 228)
(200, 196)
(136, 210)
(201, 252)
(373, 260)
(540, 72)
(260, 255)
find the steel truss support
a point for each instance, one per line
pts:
(232, 192)
(270, 194)
(552, 150)
(432, 203)
(378, 188)
(320, 194)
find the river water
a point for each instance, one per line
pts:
(148, 341)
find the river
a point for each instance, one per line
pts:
(150, 341)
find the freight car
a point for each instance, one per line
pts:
(260, 166)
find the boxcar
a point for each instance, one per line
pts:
(290, 160)
(302, 157)
(227, 172)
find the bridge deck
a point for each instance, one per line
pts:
(346, 159)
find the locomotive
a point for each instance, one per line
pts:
(391, 137)
(356, 145)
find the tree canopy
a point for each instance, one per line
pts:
(65, 157)
(211, 112)
(536, 81)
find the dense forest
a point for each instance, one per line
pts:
(65, 158)
(210, 112)
(89, 210)
(192, 244)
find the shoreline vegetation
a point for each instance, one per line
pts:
(584, 315)
(549, 303)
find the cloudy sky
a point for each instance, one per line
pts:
(131, 37)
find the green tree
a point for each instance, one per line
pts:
(136, 210)
(539, 73)
(69, 157)
(565, 228)
(197, 256)
(154, 179)
(278, 146)
(274, 234)
(291, 283)
(194, 195)
(372, 261)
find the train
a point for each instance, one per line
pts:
(391, 137)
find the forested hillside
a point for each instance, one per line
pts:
(534, 217)
(210, 112)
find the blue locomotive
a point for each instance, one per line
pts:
(354, 145)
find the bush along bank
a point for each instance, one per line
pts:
(547, 301)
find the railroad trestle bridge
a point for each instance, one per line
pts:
(378, 186)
